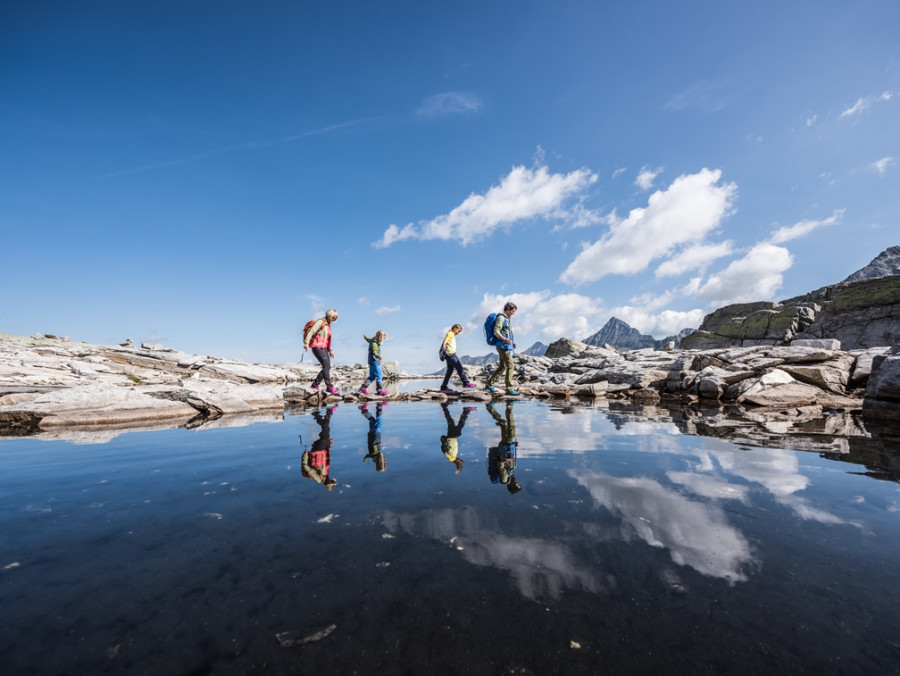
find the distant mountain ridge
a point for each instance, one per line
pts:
(536, 350)
(621, 336)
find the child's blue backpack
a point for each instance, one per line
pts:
(489, 329)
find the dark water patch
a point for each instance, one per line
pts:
(631, 546)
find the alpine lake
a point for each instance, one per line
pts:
(605, 540)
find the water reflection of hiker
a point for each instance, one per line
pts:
(373, 439)
(450, 441)
(316, 462)
(502, 458)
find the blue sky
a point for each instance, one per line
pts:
(210, 175)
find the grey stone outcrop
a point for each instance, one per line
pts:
(859, 314)
(48, 384)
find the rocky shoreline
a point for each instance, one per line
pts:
(811, 388)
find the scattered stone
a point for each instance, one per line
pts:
(290, 639)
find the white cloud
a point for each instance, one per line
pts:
(881, 166)
(756, 276)
(865, 103)
(449, 103)
(658, 324)
(646, 176)
(387, 310)
(522, 195)
(363, 300)
(801, 228)
(542, 316)
(619, 172)
(810, 121)
(693, 206)
(695, 257)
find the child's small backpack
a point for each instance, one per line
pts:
(489, 329)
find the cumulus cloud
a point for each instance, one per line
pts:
(658, 324)
(646, 176)
(684, 214)
(387, 310)
(542, 315)
(755, 276)
(801, 228)
(864, 103)
(694, 257)
(523, 194)
(880, 167)
(449, 103)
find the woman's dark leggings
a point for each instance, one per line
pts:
(324, 359)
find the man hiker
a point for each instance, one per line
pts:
(505, 348)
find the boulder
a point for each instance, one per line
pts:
(882, 400)
(564, 347)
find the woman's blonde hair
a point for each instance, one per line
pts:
(331, 315)
(456, 326)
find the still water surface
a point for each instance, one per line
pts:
(594, 545)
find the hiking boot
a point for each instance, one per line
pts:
(490, 388)
(469, 386)
(314, 388)
(512, 393)
(331, 390)
(383, 393)
(363, 390)
(447, 390)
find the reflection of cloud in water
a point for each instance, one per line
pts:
(777, 470)
(709, 486)
(583, 432)
(542, 568)
(696, 535)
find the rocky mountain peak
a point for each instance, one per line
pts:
(884, 264)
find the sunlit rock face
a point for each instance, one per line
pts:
(858, 314)
(882, 401)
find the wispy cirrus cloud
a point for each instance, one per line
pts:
(881, 166)
(523, 194)
(801, 228)
(705, 96)
(864, 103)
(248, 146)
(384, 310)
(449, 103)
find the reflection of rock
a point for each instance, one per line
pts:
(696, 534)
